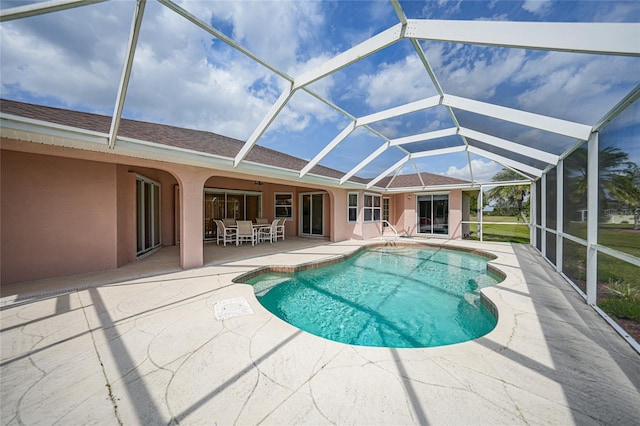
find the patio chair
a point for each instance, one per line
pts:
(262, 221)
(229, 222)
(268, 232)
(280, 230)
(245, 232)
(223, 233)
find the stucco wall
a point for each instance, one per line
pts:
(57, 216)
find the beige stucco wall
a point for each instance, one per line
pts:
(57, 216)
(67, 211)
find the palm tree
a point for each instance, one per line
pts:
(626, 189)
(510, 194)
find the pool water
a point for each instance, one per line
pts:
(400, 297)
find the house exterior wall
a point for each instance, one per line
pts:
(66, 211)
(57, 216)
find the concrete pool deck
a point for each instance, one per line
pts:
(142, 345)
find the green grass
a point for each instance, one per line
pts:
(620, 237)
(506, 233)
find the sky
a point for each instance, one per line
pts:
(184, 76)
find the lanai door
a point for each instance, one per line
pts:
(311, 213)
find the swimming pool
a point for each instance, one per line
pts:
(401, 297)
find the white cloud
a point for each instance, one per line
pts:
(537, 7)
(483, 170)
(395, 83)
(473, 72)
(579, 88)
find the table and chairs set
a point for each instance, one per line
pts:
(238, 231)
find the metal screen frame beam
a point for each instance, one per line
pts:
(398, 111)
(505, 161)
(592, 37)
(328, 148)
(134, 33)
(375, 154)
(36, 9)
(264, 124)
(510, 146)
(350, 56)
(529, 119)
(422, 137)
(399, 164)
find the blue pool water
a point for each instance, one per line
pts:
(401, 297)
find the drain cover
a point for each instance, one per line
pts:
(229, 308)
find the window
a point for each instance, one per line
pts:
(352, 207)
(372, 207)
(284, 204)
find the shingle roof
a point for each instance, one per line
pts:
(198, 140)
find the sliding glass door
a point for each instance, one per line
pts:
(433, 214)
(312, 214)
(229, 204)
(147, 215)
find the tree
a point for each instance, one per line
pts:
(626, 189)
(509, 196)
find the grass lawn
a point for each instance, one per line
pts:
(506, 233)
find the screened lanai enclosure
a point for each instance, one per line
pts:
(542, 92)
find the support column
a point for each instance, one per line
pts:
(559, 215)
(592, 219)
(191, 219)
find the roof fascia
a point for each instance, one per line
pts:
(529, 119)
(226, 163)
(592, 37)
(505, 161)
(42, 8)
(14, 123)
(511, 146)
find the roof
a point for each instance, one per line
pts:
(197, 140)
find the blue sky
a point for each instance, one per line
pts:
(185, 77)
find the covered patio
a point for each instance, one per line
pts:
(141, 345)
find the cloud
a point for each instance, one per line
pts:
(483, 170)
(472, 71)
(395, 83)
(580, 88)
(537, 7)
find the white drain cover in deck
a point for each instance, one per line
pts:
(229, 308)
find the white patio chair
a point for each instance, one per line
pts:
(229, 222)
(262, 221)
(245, 232)
(223, 233)
(268, 232)
(280, 230)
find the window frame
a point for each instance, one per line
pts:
(350, 207)
(372, 209)
(277, 206)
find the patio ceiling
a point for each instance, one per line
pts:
(528, 142)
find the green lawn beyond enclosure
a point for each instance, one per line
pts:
(494, 232)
